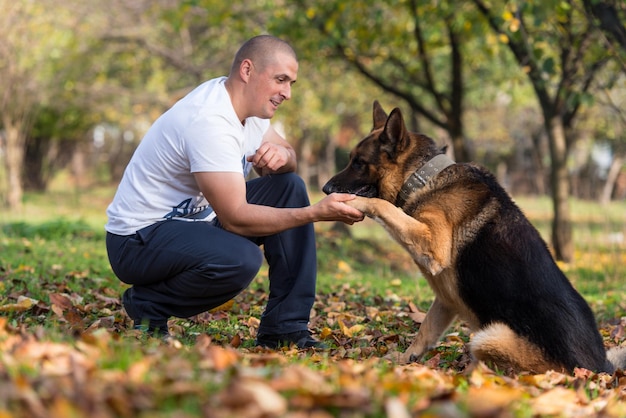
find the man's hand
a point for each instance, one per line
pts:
(270, 158)
(334, 208)
(274, 156)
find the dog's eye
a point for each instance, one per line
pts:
(358, 164)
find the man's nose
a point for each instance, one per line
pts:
(286, 93)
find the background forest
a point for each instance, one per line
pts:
(534, 90)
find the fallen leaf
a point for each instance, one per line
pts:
(251, 398)
(23, 304)
(218, 358)
(557, 401)
(395, 408)
(62, 301)
(618, 333)
(227, 306)
(349, 331)
(415, 314)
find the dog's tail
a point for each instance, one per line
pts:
(497, 343)
(617, 357)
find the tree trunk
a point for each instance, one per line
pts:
(14, 162)
(559, 179)
(611, 178)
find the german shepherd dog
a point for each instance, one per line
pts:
(481, 256)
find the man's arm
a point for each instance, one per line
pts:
(226, 192)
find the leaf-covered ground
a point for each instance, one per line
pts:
(213, 370)
(67, 350)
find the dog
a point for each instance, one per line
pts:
(485, 262)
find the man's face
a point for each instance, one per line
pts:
(271, 85)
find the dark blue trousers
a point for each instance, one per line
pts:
(181, 269)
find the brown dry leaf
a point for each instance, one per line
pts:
(138, 371)
(107, 300)
(235, 342)
(415, 314)
(27, 394)
(548, 380)
(252, 398)
(373, 313)
(302, 379)
(557, 401)
(58, 311)
(218, 358)
(489, 399)
(52, 359)
(60, 300)
(618, 333)
(74, 318)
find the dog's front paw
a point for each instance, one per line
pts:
(360, 203)
(397, 357)
(408, 357)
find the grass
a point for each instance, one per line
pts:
(56, 286)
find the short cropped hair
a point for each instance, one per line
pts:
(261, 50)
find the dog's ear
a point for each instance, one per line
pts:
(395, 135)
(380, 116)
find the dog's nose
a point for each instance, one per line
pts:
(328, 188)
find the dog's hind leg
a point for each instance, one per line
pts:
(429, 241)
(437, 320)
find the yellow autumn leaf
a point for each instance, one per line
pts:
(23, 304)
(349, 331)
(326, 332)
(488, 400)
(556, 401)
(227, 306)
(344, 267)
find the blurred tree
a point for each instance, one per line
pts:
(420, 51)
(43, 63)
(562, 55)
(29, 44)
(609, 16)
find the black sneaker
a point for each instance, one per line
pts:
(144, 325)
(301, 339)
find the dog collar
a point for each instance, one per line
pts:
(421, 176)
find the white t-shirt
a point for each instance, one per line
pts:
(200, 133)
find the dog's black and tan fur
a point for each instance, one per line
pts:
(485, 262)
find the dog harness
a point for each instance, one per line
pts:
(421, 176)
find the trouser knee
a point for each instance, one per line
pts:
(235, 275)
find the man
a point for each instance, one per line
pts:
(184, 227)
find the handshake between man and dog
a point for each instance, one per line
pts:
(483, 259)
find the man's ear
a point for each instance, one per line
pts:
(245, 68)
